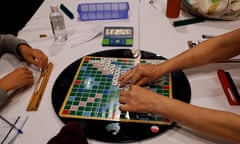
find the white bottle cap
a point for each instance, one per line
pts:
(54, 7)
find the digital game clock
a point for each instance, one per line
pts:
(118, 36)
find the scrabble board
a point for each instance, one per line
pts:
(94, 92)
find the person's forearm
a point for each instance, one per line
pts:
(215, 49)
(9, 43)
(212, 122)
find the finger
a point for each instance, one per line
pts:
(35, 60)
(123, 96)
(29, 75)
(44, 61)
(123, 107)
(126, 77)
(25, 70)
(40, 59)
(122, 100)
(41, 63)
(136, 78)
(140, 82)
(123, 77)
(125, 74)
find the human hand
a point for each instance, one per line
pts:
(34, 56)
(138, 99)
(18, 78)
(139, 75)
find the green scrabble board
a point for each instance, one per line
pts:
(94, 92)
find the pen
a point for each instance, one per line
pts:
(204, 36)
(188, 21)
(66, 11)
(12, 125)
(14, 138)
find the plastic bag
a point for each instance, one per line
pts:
(213, 9)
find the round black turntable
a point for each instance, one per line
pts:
(112, 131)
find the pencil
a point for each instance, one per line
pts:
(12, 125)
(204, 36)
(188, 21)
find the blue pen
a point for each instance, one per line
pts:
(12, 125)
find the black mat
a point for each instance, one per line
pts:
(120, 131)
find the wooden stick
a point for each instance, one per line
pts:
(39, 89)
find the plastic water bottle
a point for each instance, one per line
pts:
(57, 24)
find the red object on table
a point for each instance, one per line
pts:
(228, 89)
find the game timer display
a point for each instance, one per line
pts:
(91, 97)
(118, 36)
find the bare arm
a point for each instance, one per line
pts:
(215, 49)
(211, 122)
(20, 77)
